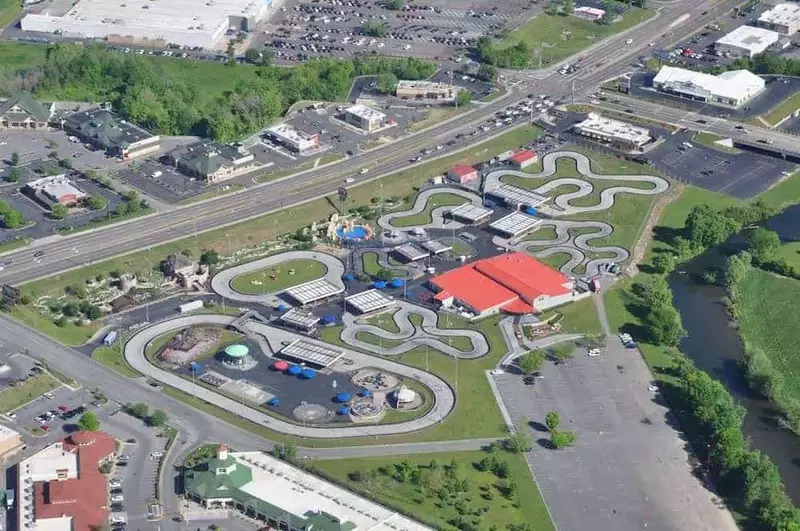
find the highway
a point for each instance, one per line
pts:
(605, 60)
(700, 122)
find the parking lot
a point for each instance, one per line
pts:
(741, 175)
(624, 439)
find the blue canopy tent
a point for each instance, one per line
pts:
(308, 374)
(380, 284)
(397, 283)
(343, 397)
(328, 319)
(344, 410)
(349, 277)
(294, 370)
(365, 392)
(274, 401)
(281, 307)
(531, 210)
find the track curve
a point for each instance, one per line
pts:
(437, 214)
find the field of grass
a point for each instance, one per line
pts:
(710, 140)
(286, 275)
(11, 245)
(786, 192)
(556, 37)
(70, 334)
(377, 478)
(580, 318)
(770, 323)
(434, 201)
(114, 359)
(783, 109)
(791, 253)
(555, 260)
(15, 56)
(9, 10)
(385, 321)
(22, 393)
(436, 115)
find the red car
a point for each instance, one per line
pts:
(63, 409)
(45, 427)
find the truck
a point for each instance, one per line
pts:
(594, 284)
(109, 338)
(190, 306)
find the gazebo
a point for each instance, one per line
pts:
(237, 355)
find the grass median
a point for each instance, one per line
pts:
(424, 217)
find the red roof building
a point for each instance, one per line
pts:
(462, 174)
(523, 159)
(67, 487)
(514, 282)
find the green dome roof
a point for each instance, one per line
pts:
(236, 351)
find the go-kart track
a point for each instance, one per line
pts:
(437, 214)
(412, 336)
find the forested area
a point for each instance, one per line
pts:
(763, 64)
(170, 98)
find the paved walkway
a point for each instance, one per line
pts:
(562, 201)
(221, 282)
(444, 398)
(437, 214)
(575, 245)
(428, 334)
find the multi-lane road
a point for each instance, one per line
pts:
(605, 60)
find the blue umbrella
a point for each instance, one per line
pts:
(328, 319)
(365, 392)
(397, 283)
(343, 397)
(294, 370)
(308, 373)
(380, 284)
(274, 401)
(344, 410)
(531, 210)
(349, 277)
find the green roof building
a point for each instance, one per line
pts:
(104, 130)
(23, 112)
(283, 497)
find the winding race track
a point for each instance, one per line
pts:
(437, 219)
(562, 201)
(412, 336)
(444, 398)
(221, 282)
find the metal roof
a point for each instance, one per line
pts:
(311, 352)
(515, 223)
(436, 246)
(471, 213)
(313, 291)
(519, 196)
(411, 252)
(300, 318)
(368, 301)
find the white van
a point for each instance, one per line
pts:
(156, 174)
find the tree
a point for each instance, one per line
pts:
(157, 418)
(762, 244)
(13, 175)
(252, 55)
(92, 312)
(386, 83)
(89, 422)
(375, 29)
(210, 257)
(530, 362)
(70, 309)
(65, 163)
(664, 263)
(464, 97)
(231, 52)
(664, 326)
(59, 211)
(654, 292)
(552, 420)
(266, 57)
(567, 7)
(706, 227)
(384, 275)
(608, 16)
(394, 5)
(97, 202)
(15, 159)
(562, 439)
(285, 452)
(519, 441)
(105, 467)
(486, 73)
(12, 219)
(138, 410)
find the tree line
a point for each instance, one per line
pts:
(763, 64)
(159, 98)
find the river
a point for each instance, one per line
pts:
(714, 347)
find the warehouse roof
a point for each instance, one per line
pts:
(368, 301)
(608, 127)
(784, 14)
(313, 291)
(734, 84)
(515, 223)
(362, 111)
(311, 352)
(471, 213)
(755, 40)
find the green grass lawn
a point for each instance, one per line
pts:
(434, 201)
(385, 321)
(373, 339)
(16, 56)
(557, 37)
(580, 318)
(70, 334)
(286, 274)
(770, 323)
(371, 266)
(24, 392)
(375, 478)
(16, 243)
(791, 253)
(9, 10)
(544, 233)
(436, 115)
(710, 140)
(555, 260)
(784, 193)
(114, 359)
(783, 109)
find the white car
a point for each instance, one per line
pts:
(362, 171)
(117, 498)
(349, 180)
(628, 41)
(115, 483)
(117, 519)
(497, 372)
(48, 395)
(653, 388)
(407, 47)
(381, 45)
(594, 352)
(156, 455)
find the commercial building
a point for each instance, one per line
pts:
(180, 22)
(732, 89)
(283, 497)
(746, 41)
(515, 224)
(426, 90)
(517, 197)
(210, 161)
(104, 130)
(471, 214)
(462, 174)
(60, 488)
(301, 319)
(783, 18)
(410, 253)
(369, 301)
(365, 118)
(616, 133)
(436, 247)
(23, 112)
(589, 13)
(514, 283)
(10, 441)
(56, 189)
(522, 159)
(291, 138)
(313, 291)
